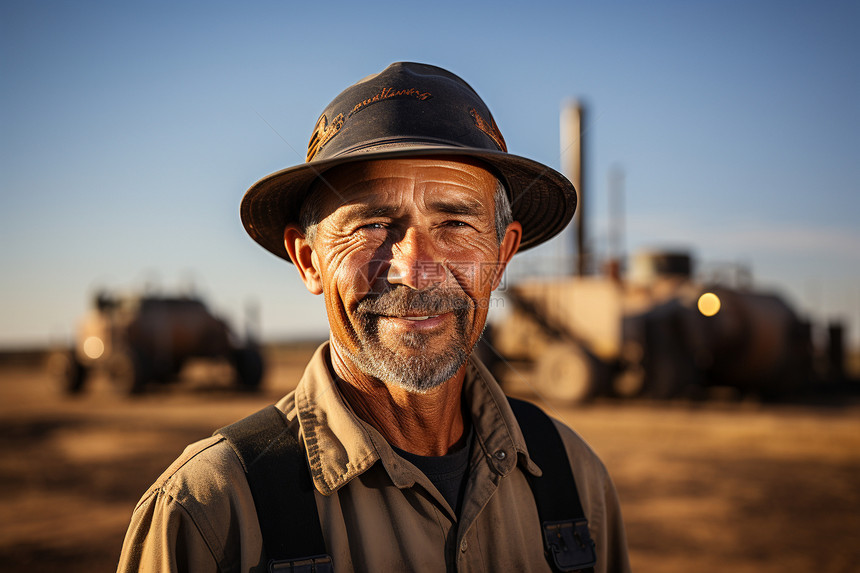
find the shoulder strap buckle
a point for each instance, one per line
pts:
(570, 543)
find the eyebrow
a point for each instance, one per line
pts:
(466, 207)
(370, 212)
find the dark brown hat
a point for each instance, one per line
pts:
(409, 110)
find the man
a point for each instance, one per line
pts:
(403, 217)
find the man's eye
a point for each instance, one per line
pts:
(373, 226)
(455, 224)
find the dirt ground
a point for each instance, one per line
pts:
(704, 487)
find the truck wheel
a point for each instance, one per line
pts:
(129, 372)
(70, 374)
(248, 362)
(566, 373)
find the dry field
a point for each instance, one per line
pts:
(704, 487)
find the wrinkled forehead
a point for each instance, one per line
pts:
(406, 182)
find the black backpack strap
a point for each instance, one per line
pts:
(567, 542)
(276, 468)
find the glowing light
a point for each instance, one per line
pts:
(709, 304)
(94, 347)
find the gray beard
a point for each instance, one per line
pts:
(418, 374)
(423, 371)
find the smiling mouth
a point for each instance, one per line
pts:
(415, 318)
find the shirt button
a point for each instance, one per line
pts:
(500, 455)
(464, 546)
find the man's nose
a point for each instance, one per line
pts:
(414, 262)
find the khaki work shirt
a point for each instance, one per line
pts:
(378, 511)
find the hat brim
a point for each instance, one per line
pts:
(542, 199)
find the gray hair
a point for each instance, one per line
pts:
(311, 212)
(504, 215)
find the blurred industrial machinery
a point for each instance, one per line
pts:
(143, 339)
(657, 333)
(654, 331)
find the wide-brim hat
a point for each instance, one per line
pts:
(409, 110)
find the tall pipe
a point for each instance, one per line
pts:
(573, 166)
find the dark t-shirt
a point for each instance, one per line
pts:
(448, 473)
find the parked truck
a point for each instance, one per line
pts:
(139, 340)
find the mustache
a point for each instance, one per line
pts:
(402, 300)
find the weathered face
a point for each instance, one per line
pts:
(406, 255)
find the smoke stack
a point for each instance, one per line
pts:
(573, 166)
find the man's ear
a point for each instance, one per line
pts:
(302, 254)
(509, 246)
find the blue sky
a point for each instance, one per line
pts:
(128, 134)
